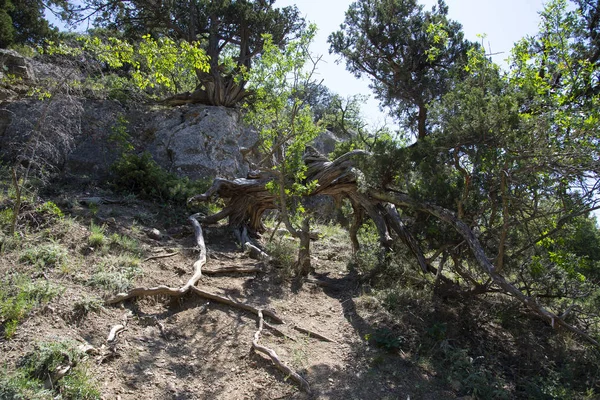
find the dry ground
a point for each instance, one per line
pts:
(191, 348)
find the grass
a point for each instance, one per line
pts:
(38, 368)
(45, 256)
(19, 296)
(116, 274)
(86, 305)
(97, 239)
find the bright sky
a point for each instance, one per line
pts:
(504, 22)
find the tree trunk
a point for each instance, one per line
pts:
(422, 121)
(303, 266)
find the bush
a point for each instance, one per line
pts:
(96, 238)
(45, 256)
(18, 296)
(28, 382)
(142, 176)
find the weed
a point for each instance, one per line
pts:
(116, 273)
(386, 338)
(6, 217)
(39, 369)
(51, 209)
(86, 305)
(300, 354)
(142, 176)
(18, 296)
(125, 243)
(97, 240)
(45, 256)
(9, 242)
(283, 251)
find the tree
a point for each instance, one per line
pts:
(410, 55)
(231, 30)
(23, 21)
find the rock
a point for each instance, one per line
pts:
(200, 141)
(15, 64)
(154, 234)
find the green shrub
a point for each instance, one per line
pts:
(116, 273)
(50, 208)
(40, 365)
(45, 256)
(125, 243)
(386, 338)
(284, 254)
(142, 176)
(97, 238)
(18, 296)
(87, 304)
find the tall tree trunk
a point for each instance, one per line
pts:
(422, 121)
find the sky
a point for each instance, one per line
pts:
(503, 22)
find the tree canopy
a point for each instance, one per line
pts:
(23, 21)
(410, 55)
(231, 33)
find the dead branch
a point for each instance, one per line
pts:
(401, 199)
(114, 332)
(275, 358)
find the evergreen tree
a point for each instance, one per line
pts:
(410, 55)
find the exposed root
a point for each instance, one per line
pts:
(275, 358)
(232, 270)
(166, 290)
(160, 256)
(114, 332)
(314, 334)
(233, 303)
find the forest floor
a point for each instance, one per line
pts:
(193, 348)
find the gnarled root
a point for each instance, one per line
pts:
(275, 358)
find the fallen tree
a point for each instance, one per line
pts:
(247, 199)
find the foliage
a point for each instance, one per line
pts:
(97, 238)
(386, 339)
(232, 33)
(23, 22)
(282, 251)
(45, 256)
(142, 176)
(283, 120)
(116, 274)
(410, 55)
(87, 304)
(162, 64)
(18, 296)
(41, 364)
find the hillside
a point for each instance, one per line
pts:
(395, 343)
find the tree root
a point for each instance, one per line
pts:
(275, 358)
(233, 270)
(233, 303)
(160, 256)
(314, 334)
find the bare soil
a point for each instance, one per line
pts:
(192, 348)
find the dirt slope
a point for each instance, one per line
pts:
(191, 348)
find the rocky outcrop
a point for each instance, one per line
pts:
(12, 63)
(201, 141)
(16, 73)
(193, 140)
(85, 136)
